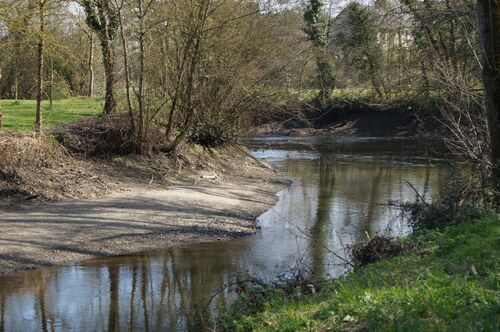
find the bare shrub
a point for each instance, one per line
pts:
(461, 200)
(99, 136)
(375, 249)
(31, 168)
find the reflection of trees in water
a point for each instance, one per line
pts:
(2, 313)
(427, 182)
(167, 302)
(144, 292)
(132, 319)
(365, 225)
(43, 309)
(319, 231)
(114, 308)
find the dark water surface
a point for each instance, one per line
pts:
(338, 197)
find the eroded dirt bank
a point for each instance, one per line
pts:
(353, 118)
(58, 208)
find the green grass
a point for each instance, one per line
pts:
(20, 115)
(359, 93)
(432, 288)
(310, 94)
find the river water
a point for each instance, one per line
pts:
(338, 197)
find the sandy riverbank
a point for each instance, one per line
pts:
(210, 195)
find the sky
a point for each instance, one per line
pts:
(334, 5)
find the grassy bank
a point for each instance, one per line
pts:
(449, 280)
(20, 115)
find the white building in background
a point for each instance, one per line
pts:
(394, 24)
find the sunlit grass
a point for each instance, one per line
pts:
(20, 115)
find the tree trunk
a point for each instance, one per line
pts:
(141, 130)
(108, 61)
(127, 74)
(51, 85)
(90, 92)
(39, 85)
(1, 113)
(110, 103)
(16, 87)
(489, 28)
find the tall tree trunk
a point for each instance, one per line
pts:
(90, 92)
(39, 85)
(489, 28)
(110, 102)
(51, 84)
(127, 72)
(102, 18)
(140, 93)
(1, 113)
(108, 61)
(16, 87)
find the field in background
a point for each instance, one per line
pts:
(20, 115)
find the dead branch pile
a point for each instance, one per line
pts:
(33, 168)
(376, 249)
(97, 136)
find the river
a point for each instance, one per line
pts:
(338, 197)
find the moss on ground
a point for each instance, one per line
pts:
(448, 282)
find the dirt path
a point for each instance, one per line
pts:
(139, 219)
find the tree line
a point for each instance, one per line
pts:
(198, 68)
(192, 67)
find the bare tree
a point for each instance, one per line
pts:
(489, 28)
(40, 64)
(119, 5)
(1, 113)
(187, 67)
(102, 17)
(90, 63)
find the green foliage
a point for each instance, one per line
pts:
(360, 46)
(316, 25)
(326, 76)
(368, 52)
(317, 28)
(20, 115)
(448, 282)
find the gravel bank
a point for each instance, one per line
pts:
(135, 220)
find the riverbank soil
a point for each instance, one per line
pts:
(352, 118)
(446, 281)
(59, 208)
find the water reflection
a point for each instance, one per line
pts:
(338, 198)
(326, 198)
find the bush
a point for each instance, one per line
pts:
(97, 136)
(376, 249)
(464, 198)
(213, 129)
